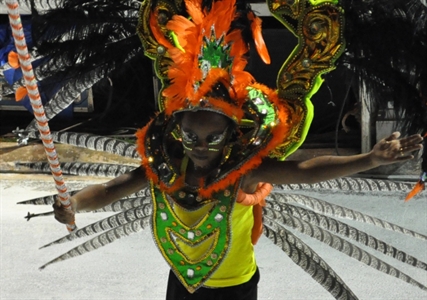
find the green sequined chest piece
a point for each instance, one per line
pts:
(193, 251)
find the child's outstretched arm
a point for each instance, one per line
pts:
(99, 195)
(387, 151)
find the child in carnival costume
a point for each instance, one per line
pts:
(220, 139)
(205, 61)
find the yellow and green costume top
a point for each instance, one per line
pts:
(203, 244)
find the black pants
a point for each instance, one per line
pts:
(244, 291)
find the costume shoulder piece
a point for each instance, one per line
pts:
(319, 27)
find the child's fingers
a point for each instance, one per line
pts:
(62, 215)
(393, 136)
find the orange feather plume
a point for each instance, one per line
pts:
(187, 81)
(13, 60)
(157, 32)
(20, 93)
(259, 40)
(420, 185)
(418, 188)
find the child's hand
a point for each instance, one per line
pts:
(392, 149)
(63, 215)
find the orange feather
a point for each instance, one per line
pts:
(13, 60)
(259, 40)
(158, 34)
(20, 93)
(418, 188)
(194, 9)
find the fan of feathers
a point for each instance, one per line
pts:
(291, 212)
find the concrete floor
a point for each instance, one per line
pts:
(132, 267)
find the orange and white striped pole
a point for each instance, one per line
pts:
(36, 104)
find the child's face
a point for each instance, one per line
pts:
(204, 135)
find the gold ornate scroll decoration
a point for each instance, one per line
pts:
(319, 27)
(164, 11)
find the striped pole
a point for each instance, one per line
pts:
(33, 93)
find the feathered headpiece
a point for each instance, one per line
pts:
(204, 57)
(204, 50)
